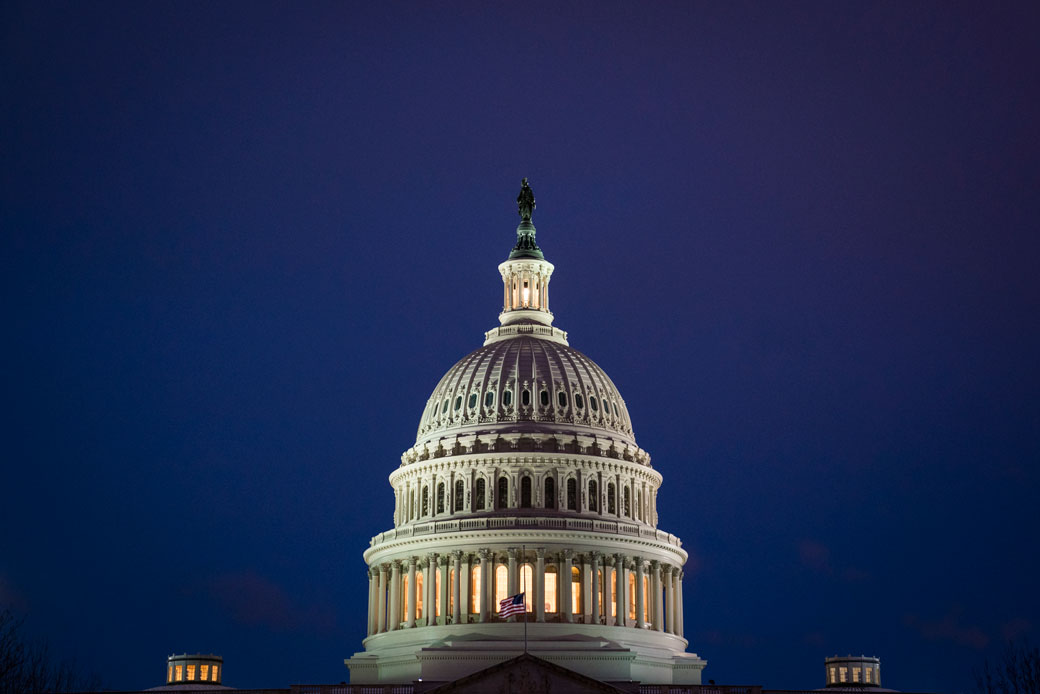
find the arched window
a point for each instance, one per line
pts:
(525, 492)
(489, 399)
(572, 494)
(451, 593)
(575, 590)
(611, 506)
(419, 594)
(550, 492)
(592, 403)
(474, 590)
(501, 585)
(543, 397)
(440, 497)
(561, 398)
(527, 585)
(631, 594)
(579, 401)
(478, 501)
(472, 400)
(646, 598)
(460, 494)
(507, 398)
(445, 408)
(593, 496)
(525, 398)
(458, 403)
(503, 492)
(628, 508)
(436, 594)
(599, 590)
(425, 500)
(551, 590)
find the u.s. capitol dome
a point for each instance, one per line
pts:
(525, 492)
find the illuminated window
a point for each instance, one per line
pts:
(489, 399)
(525, 398)
(843, 674)
(611, 505)
(203, 672)
(525, 492)
(419, 579)
(440, 497)
(575, 590)
(507, 398)
(613, 596)
(501, 585)
(866, 675)
(214, 676)
(551, 589)
(543, 397)
(451, 592)
(572, 495)
(437, 612)
(478, 502)
(855, 674)
(472, 400)
(593, 496)
(474, 592)
(592, 403)
(562, 399)
(527, 585)
(579, 401)
(834, 675)
(460, 495)
(458, 403)
(169, 674)
(631, 595)
(550, 492)
(179, 673)
(191, 673)
(503, 492)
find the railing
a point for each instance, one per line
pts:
(498, 522)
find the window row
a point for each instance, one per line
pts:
(186, 673)
(562, 402)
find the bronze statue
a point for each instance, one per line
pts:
(525, 201)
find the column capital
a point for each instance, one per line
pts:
(512, 552)
(484, 553)
(412, 561)
(395, 565)
(595, 557)
(384, 568)
(567, 554)
(539, 552)
(457, 555)
(655, 564)
(442, 560)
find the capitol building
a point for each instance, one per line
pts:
(525, 477)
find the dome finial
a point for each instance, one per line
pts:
(525, 201)
(525, 243)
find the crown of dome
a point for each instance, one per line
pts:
(525, 384)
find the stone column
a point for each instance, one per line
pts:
(640, 598)
(678, 603)
(511, 582)
(456, 592)
(539, 585)
(429, 614)
(594, 598)
(394, 618)
(372, 587)
(484, 554)
(412, 593)
(608, 585)
(622, 590)
(464, 586)
(442, 565)
(566, 585)
(656, 587)
(586, 587)
(381, 596)
(669, 582)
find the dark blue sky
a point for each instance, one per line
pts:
(241, 242)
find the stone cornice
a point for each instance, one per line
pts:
(532, 460)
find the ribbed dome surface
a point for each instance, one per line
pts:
(540, 383)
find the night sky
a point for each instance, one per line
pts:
(241, 243)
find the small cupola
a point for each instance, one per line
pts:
(525, 275)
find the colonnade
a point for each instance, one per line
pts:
(422, 591)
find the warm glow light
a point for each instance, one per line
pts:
(179, 673)
(203, 672)
(474, 594)
(214, 677)
(501, 585)
(526, 583)
(575, 590)
(191, 673)
(419, 578)
(169, 674)
(404, 594)
(437, 593)
(550, 590)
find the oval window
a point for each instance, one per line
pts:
(579, 401)
(562, 399)
(472, 400)
(544, 398)
(592, 403)
(615, 410)
(445, 408)
(489, 399)
(525, 398)
(507, 398)
(458, 403)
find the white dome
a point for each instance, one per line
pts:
(525, 384)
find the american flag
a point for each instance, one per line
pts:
(514, 604)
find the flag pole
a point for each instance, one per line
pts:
(524, 589)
